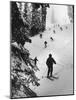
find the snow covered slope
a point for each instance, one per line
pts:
(62, 51)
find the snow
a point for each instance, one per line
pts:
(57, 14)
(62, 51)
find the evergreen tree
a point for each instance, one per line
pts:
(22, 66)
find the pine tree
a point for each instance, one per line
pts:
(23, 67)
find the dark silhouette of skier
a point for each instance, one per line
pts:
(50, 61)
(54, 31)
(40, 35)
(61, 28)
(35, 60)
(51, 38)
(45, 43)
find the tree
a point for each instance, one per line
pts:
(22, 66)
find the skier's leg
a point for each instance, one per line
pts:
(48, 72)
(35, 62)
(51, 71)
(45, 45)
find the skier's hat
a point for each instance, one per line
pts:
(50, 55)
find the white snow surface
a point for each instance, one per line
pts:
(62, 51)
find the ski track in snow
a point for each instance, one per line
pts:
(62, 51)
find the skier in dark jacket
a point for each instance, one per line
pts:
(40, 35)
(54, 31)
(50, 61)
(61, 28)
(35, 60)
(51, 38)
(45, 43)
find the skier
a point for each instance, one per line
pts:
(45, 43)
(51, 38)
(61, 28)
(35, 60)
(54, 31)
(49, 62)
(40, 35)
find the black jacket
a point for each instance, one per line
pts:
(50, 61)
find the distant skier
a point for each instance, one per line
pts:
(49, 62)
(54, 31)
(40, 35)
(61, 28)
(35, 60)
(51, 38)
(45, 43)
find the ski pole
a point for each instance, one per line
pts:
(60, 64)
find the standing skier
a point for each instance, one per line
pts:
(50, 61)
(35, 60)
(40, 35)
(54, 31)
(51, 38)
(61, 28)
(45, 43)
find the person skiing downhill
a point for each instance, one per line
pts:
(45, 43)
(35, 60)
(54, 31)
(61, 28)
(49, 62)
(40, 35)
(51, 38)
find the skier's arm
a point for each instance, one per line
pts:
(54, 61)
